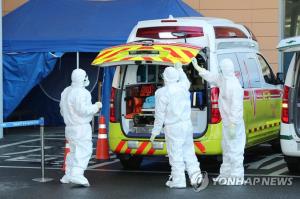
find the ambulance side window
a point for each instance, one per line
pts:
(266, 70)
(237, 68)
(249, 64)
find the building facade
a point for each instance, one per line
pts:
(269, 20)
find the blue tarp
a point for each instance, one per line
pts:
(80, 26)
(20, 75)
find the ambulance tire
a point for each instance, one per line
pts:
(130, 162)
(275, 144)
(214, 161)
(293, 164)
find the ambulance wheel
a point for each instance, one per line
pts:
(130, 162)
(275, 144)
(293, 164)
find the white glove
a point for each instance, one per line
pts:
(232, 131)
(99, 105)
(152, 138)
(178, 65)
(196, 66)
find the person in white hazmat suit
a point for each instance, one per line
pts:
(173, 110)
(230, 101)
(77, 111)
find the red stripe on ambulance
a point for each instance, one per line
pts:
(120, 146)
(141, 148)
(200, 146)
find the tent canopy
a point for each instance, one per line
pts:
(72, 26)
(81, 25)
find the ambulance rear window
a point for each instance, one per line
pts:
(223, 32)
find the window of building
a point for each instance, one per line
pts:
(292, 18)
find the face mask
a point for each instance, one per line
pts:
(86, 81)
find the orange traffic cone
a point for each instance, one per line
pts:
(67, 150)
(102, 150)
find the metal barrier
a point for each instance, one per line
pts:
(39, 122)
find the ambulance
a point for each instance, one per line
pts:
(155, 44)
(290, 126)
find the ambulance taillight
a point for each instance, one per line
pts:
(285, 105)
(215, 116)
(169, 32)
(112, 111)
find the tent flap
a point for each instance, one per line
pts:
(21, 72)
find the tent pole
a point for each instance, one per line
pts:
(77, 60)
(1, 77)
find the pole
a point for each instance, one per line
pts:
(99, 91)
(42, 151)
(77, 60)
(42, 179)
(1, 77)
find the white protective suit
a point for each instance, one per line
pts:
(77, 111)
(173, 109)
(230, 101)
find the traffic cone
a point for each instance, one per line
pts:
(67, 150)
(102, 150)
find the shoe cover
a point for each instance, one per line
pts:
(65, 179)
(179, 184)
(80, 180)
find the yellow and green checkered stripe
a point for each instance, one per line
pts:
(170, 53)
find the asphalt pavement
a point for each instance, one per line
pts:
(266, 173)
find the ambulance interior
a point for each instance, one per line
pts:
(138, 102)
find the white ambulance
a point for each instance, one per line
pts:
(290, 118)
(155, 44)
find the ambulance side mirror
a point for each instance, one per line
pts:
(280, 78)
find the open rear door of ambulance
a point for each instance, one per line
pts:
(291, 98)
(146, 53)
(140, 65)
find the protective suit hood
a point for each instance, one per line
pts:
(170, 75)
(79, 78)
(227, 68)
